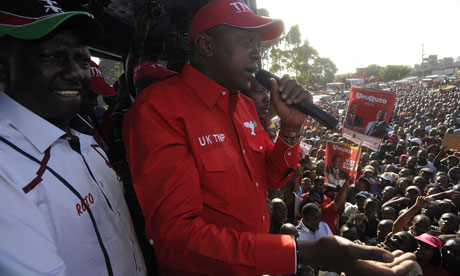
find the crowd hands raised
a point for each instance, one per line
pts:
(405, 200)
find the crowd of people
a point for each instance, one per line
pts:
(406, 195)
(181, 174)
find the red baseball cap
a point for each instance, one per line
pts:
(151, 69)
(98, 84)
(236, 14)
(429, 239)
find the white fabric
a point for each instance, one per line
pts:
(43, 232)
(306, 235)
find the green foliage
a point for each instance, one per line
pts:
(111, 69)
(323, 70)
(290, 55)
(394, 72)
(371, 70)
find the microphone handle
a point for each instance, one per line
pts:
(305, 106)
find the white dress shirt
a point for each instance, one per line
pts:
(45, 228)
(306, 234)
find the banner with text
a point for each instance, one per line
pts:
(339, 162)
(368, 116)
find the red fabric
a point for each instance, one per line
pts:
(329, 216)
(201, 178)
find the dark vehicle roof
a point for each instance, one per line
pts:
(116, 17)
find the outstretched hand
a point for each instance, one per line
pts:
(423, 202)
(340, 254)
(283, 96)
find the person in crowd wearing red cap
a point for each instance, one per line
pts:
(89, 96)
(148, 72)
(201, 167)
(428, 255)
(62, 210)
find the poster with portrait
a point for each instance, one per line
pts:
(368, 115)
(339, 162)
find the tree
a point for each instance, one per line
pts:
(323, 71)
(111, 70)
(371, 70)
(289, 54)
(394, 72)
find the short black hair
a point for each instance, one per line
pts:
(310, 208)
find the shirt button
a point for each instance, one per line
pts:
(151, 242)
(257, 184)
(244, 151)
(289, 153)
(261, 148)
(224, 93)
(263, 217)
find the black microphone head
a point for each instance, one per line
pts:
(263, 77)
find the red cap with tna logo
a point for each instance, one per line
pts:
(236, 14)
(98, 84)
(151, 69)
(33, 19)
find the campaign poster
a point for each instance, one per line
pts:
(368, 115)
(339, 162)
(305, 149)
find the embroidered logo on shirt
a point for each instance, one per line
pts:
(251, 125)
(83, 206)
(209, 139)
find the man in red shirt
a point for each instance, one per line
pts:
(201, 165)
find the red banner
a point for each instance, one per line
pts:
(368, 116)
(339, 162)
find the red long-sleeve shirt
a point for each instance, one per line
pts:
(201, 166)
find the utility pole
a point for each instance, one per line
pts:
(423, 54)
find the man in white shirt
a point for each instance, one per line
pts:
(62, 210)
(311, 227)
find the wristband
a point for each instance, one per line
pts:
(297, 251)
(290, 133)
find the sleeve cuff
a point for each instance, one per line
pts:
(275, 254)
(290, 154)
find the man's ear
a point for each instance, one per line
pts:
(203, 45)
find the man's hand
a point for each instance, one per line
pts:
(422, 202)
(340, 254)
(282, 98)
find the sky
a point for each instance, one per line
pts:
(357, 33)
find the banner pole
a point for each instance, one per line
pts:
(356, 159)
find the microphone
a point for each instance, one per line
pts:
(306, 107)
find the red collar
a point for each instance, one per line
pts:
(208, 90)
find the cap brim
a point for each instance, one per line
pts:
(43, 26)
(102, 88)
(268, 28)
(427, 241)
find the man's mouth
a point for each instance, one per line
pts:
(264, 109)
(68, 93)
(252, 70)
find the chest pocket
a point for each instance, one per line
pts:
(218, 178)
(256, 142)
(219, 160)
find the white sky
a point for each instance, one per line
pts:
(356, 33)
